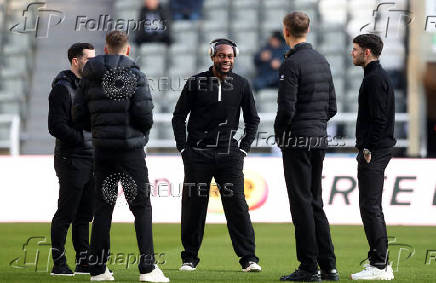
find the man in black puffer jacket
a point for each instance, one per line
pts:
(73, 162)
(115, 101)
(306, 101)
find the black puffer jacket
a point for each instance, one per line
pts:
(70, 141)
(115, 101)
(306, 99)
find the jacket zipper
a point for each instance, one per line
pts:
(219, 90)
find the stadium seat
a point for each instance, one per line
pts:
(244, 65)
(244, 4)
(243, 18)
(339, 84)
(276, 4)
(351, 101)
(122, 5)
(333, 12)
(187, 37)
(153, 65)
(186, 62)
(207, 36)
(149, 49)
(266, 95)
(213, 4)
(216, 15)
(337, 62)
(332, 41)
(247, 41)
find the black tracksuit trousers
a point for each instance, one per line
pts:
(371, 179)
(75, 206)
(129, 168)
(200, 166)
(303, 173)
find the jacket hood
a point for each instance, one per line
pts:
(68, 76)
(96, 67)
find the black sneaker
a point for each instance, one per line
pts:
(302, 276)
(61, 270)
(82, 269)
(332, 275)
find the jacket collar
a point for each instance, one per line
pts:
(299, 46)
(68, 76)
(371, 67)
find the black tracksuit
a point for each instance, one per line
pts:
(73, 164)
(375, 132)
(306, 101)
(209, 151)
(115, 101)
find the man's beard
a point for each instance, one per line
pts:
(80, 69)
(358, 61)
(218, 68)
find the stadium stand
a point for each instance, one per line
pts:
(249, 22)
(17, 52)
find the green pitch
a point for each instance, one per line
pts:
(410, 251)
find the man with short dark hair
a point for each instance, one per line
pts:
(306, 101)
(73, 160)
(115, 102)
(375, 141)
(214, 100)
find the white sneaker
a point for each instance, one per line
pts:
(252, 267)
(187, 266)
(156, 275)
(106, 276)
(373, 273)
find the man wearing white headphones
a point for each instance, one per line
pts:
(214, 99)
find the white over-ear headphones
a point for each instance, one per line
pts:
(219, 41)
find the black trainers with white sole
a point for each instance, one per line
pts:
(331, 275)
(61, 270)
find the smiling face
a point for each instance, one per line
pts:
(223, 59)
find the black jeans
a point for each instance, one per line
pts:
(303, 172)
(371, 179)
(75, 206)
(200, 166)
(129, 168)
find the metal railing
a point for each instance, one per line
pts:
(164, 120)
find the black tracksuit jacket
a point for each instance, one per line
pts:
(376, 115)
(307, 98)
(214, 109)
(115, 102)
(70, 140)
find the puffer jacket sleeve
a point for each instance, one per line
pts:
(142, 105)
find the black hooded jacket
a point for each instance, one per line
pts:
(70, 141)
(115, 102)
(306, 99)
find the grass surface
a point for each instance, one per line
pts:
(275, 248)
